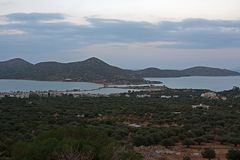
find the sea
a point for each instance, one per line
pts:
(219, 83)
(195, 82)
(7, 85)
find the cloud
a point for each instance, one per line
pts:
(11, 32)
(32, 17)
(50, 33)
(5, 2)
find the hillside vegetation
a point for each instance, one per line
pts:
(95, 70)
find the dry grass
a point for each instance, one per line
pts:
(179, 151)
(73, 154)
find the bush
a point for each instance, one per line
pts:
(200, 140)
(222, 139)
(186, 158)
(167, 142)
(235, 141)
(188, 142)
(233, 155)
(208, 153)
(72, 143)
(131, 155)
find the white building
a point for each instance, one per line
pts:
(143, 95)
(210, 95)
(166, 97)
(200, 106)
(134, 125)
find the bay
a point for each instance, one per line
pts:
(200, 82)
(7, 85)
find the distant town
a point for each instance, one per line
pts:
(82, 93)
(140, 92)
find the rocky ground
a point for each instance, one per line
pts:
(179, 151)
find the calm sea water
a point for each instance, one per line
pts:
(212, 83)
(28, 85)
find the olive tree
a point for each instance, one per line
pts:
(208, 153)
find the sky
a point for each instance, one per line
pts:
(132, 34)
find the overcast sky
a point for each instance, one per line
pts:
(127, 33)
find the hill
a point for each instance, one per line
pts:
(90, 70)
(15, 69)
(155, 72)
(207, 71)
(95, 70)
(194, 71)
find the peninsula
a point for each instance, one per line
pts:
(97, 71)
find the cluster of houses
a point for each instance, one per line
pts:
(75, 94)
(15, 94)
(31, 94)
(78, 95)
(167, 97)
(50, 94)
(200, 106)
(209, 95)
(213, 95)
(148, 95)
(142, 96)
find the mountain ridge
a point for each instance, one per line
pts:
(97, 71)
(193, 71)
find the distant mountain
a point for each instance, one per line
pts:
(95, 70)
(195, 71)
(90, 70)
(155, 72)
(207, 71)
(15, 69)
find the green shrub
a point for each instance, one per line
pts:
(208, 153)
(70, 143)
(233, 154)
